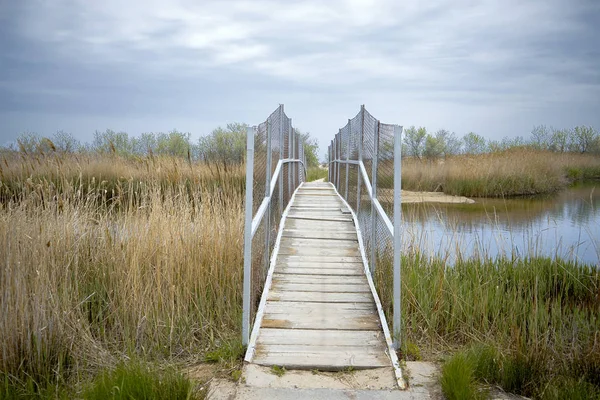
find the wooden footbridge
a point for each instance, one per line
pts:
(319, 308)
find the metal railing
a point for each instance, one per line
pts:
(275, 167)
(365, 168)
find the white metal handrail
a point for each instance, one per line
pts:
(337, 160)
(295, 176)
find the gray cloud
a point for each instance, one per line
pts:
(493, 67)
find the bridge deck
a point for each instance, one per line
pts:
(320, 312)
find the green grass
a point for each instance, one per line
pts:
(28, 388)
(136, 380)
(458, 379)
(315, 173)
(229, 352)
(468, 373)
(542, 315)
(277, 370)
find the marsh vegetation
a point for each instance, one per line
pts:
(129, 265)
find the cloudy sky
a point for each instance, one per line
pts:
(493, 67)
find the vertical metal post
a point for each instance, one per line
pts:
(291, 129)
(374, 194)
(268, 173)
(294, 156)
(332, 160)
(339, 158)
(334, 154)
(397, 233)
(281, 157)
(329, 163)
(361, 135)
(348, 158)
(248, 236)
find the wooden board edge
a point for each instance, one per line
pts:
(386, 331)
(265, 294)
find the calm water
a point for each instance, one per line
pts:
(566, 225)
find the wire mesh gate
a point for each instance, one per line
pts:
(275, 167)
(365, 168)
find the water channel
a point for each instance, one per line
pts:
(565, 225)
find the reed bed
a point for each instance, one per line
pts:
(541, 313)
(151, 269)
(106, 259)
(514, 172)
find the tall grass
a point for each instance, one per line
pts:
(152, 270)
(514, 172)
(542, 314)
(315, 173)
(104, 258)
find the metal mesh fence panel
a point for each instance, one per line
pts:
(383, 274)
(352, 185)
(364, 218)
(274, 125)
(385, 169)
(260, 166)
(364, 140)
(355, 134)
(368, 150)
(258, 267)
(273, 139)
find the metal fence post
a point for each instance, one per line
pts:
(360, 155)
(348, 158)
(281, 157)
(374, 196)
(397, 234)
(291, 129)
(333, 162)
(294, 156)
(329, 163)
(339, 158)
(248, 236)
(268, 173)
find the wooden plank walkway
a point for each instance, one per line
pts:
(319, 311)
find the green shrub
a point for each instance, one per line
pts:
(458, 378)
(135, 380)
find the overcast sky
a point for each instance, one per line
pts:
(493, 67)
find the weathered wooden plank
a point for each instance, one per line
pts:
(331, 235)
(318, 251)
(313, 207)
(321, 297)
(314, 265)
(289, 278)
(307, 307)
(319, 243)
(321, 219)
(335, 217)
(320, 312)
(332, 361)
(320, 337)
(316, 202)
(330, 350)
(321, 271)
(296, 223)
(318, 259)
(329, 321)
(321, 287)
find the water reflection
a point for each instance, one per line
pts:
(565, 225)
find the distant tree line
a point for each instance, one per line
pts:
(223, 146)
(419, 143)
